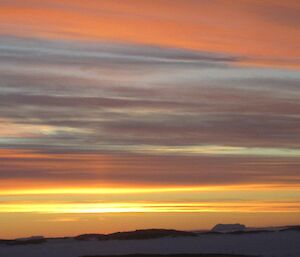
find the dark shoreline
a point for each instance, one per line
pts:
(172, 255)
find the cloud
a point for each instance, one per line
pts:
(205, 26)
(118, 95)
(132, 103)
(23, 169)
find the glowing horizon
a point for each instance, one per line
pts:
(141, 207)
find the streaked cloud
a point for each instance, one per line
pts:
(124, 92)
(266, 26)
(219, 150)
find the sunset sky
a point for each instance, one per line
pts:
(127, 114)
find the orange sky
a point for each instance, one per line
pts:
(127, 114)
(264, 32)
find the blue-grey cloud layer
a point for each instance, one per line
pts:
(127, 99)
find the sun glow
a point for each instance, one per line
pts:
(116, 190)
(144, 207)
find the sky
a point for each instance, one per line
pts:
(127, 114)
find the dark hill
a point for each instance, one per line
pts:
(87, 237)
(137, 234)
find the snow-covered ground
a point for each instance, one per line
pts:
(269, 244)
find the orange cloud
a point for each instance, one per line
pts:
(254, 29)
